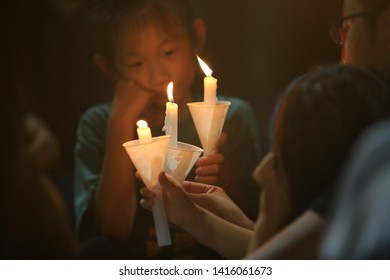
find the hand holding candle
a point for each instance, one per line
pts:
(170, 126)
(210, 84)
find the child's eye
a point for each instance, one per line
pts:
(169, 53)
(135, 64)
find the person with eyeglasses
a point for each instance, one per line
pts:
(358, 227)
(363, 34)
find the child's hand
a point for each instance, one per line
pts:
(130, 99)
(209, 169)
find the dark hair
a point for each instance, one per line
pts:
(319, 118)
(103, 18)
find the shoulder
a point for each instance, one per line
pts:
(97, 112)
(95, 118)
(236, 104)
(373, 145)
(240, 111)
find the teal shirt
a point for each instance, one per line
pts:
(241, 151)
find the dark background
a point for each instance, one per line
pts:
(255, 47)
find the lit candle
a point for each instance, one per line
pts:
(210, 84)
(170, 126)
(143, 131)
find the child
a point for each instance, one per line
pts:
(143, 45)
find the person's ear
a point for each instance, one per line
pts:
(199, 31)
(102, 65)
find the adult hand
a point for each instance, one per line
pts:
(180, 209)
(212, 198)
(215, 200)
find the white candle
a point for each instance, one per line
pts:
(161, 220)
(143, 131)
(170, 127)
(210, 84)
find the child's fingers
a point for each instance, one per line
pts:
(146, 193)
(210, 159)
(146, 204)
(169, 183)
(208, 170)
(148, 198)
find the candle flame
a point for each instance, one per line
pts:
(170, 92)
(205, 68)
(142, 124)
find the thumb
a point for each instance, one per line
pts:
(196, 188)
(169, 183)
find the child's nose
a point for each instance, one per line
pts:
(158, 75)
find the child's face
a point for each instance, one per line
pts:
(154, 56)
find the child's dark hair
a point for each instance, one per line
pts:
(319, 118)
(103, 18)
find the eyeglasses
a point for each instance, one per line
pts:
(339, 33)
